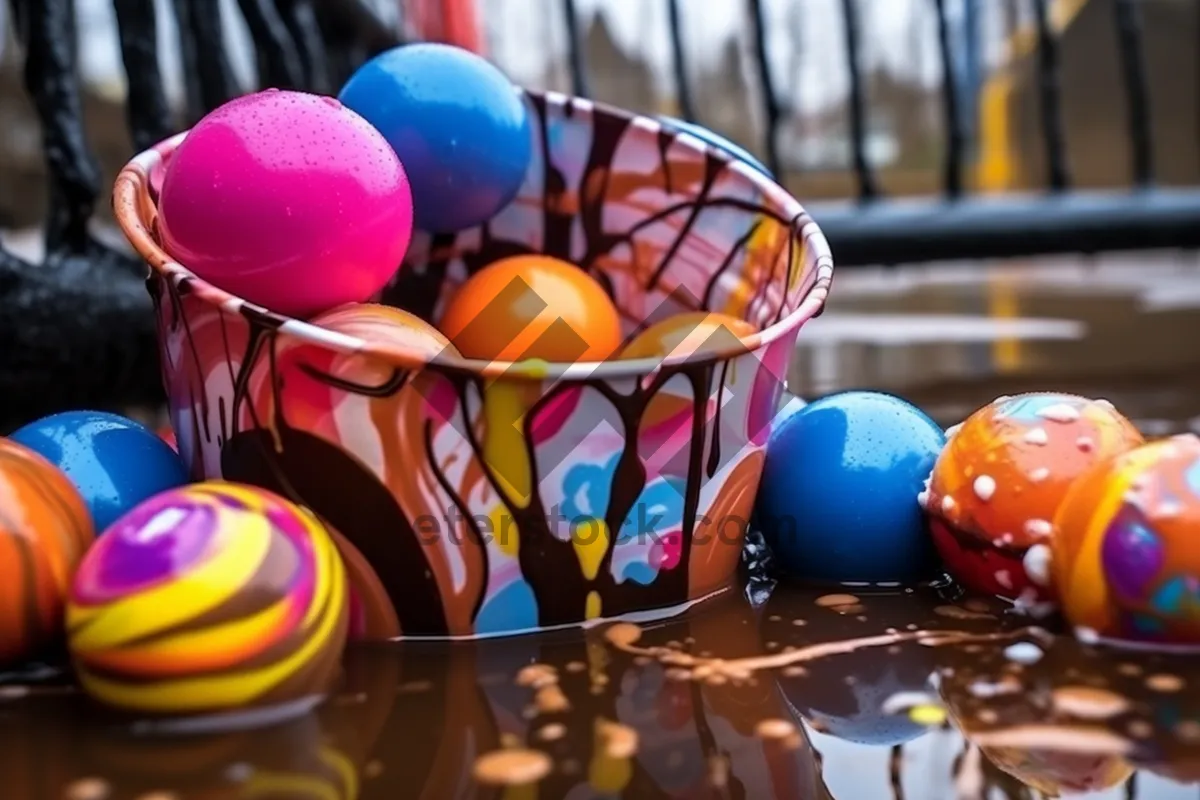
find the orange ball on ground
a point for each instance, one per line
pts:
(688, 333)
(532, 306)
(996, 487)
(45, 528)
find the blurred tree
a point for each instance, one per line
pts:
(617, 77)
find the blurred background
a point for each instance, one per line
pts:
(627, 52)
(949, 335)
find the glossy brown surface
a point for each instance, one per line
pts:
(773, 692)
(806, 695)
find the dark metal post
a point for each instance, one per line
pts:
(1137, 93)
(47, 31)
(767, 84)
(1050, 94)
(955, 141)
(579, 79)
(971, 75)
(216, 80)
(683, 91)
(867, 190)
(278, 58)
(146, 109)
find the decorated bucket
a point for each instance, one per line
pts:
(474, 498)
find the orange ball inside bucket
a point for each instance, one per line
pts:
(532, 307)
(692, 332)
(491, 498)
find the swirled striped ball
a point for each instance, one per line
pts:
(206, 599)
(1125, 554)
(44, 530)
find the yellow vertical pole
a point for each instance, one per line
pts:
(999, 166)
(997, 171)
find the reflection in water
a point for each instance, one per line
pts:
(847, 696)
(597, 721)
(1080, 717)
(717, 704)
(437, 720)
(56, 748)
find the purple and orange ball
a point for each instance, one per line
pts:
(1125, 556)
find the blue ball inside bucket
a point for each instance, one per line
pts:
(718, 141)
(838, 499)
(459, 125)
(114, 462)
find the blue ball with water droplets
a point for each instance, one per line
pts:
(838, 498)
(114, 462)
(461, 128)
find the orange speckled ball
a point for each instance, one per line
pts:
(997, 485)
(691, 332)
(1125, 551)
(532, 307)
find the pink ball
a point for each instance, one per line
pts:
(289, 200)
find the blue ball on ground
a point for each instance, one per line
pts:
(459, 125)
(718, 141)
(114, 462)
(838, 498)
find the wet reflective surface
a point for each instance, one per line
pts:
(953, 337)
(804, 695)
(774, 691)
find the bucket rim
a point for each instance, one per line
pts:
(131, 198)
